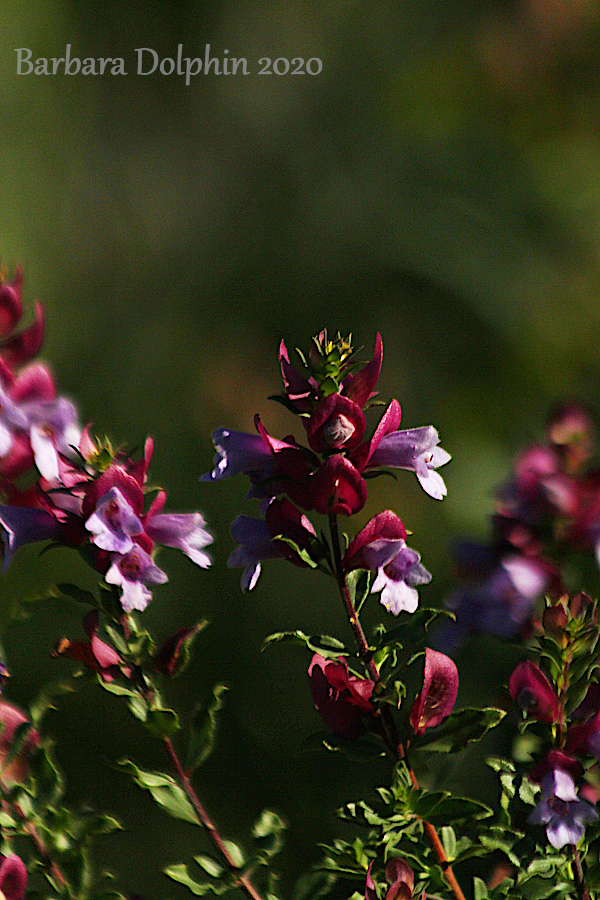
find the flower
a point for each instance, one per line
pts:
(96, 655)
(381, 547)
(174, 653)
(417, 450)
(342, 700)
(113, 523)
(561, 810)
(25, 525)
(338, 488)
(438, 695)
(13, 877)
(532, 692)
(398, 875)
(270, 538)
(17, 349)
(14, 766)
(132, 572)
(183, 531)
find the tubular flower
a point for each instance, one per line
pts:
(132, 572)
(532, 692)
(440, 688)
(16, 349)
(381, 547)
(561, 810)
(96, 655)
(13, 877)
(342, 700)
(417, 450)
(14, 767)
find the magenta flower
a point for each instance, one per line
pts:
(381, 547)
(398, 875)
(337, 423)
(17, 349)
(532, 692)
(561, 810)
(338, 488)
(440, 688)
(417, 450)
(13, 877)
(96, 655)
(342, 700)
(14, 766)
(132, 572)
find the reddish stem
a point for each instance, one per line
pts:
(242, 879)
(367, 657)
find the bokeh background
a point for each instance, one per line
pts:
(437, 181)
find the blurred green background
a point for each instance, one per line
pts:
(437, 181)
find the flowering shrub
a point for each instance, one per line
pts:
(390, 694)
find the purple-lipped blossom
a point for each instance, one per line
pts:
(25, 525)
(381, 547)
(184, 531)
(53, 430)
(561, 810)
(255, 545)
(415, 449)
(114, 523)
(132, 572)
(238, 452)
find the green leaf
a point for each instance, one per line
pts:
(449, 841)
(304, 554)
(359, 583)
(210, 865)
(77, 593)
(203, 728)
(268, 831)
(499, 838)
(459, 729)
(162, 722)
(164, 790)
(363, 750)
(326, 646)
(441, 807)
(45, 700)
(480, 891)
(179, 873)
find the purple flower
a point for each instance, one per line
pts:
(53, 430)
(23, 525)
(561, 810)
(415, 449)
(113, 523)
(501, 605)
(238, 452)
(13, 877)
(381, 547)
(133, 572)
(12, 418)
(255, 544)
(184, 531)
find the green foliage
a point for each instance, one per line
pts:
(462, 727)
(326, 646)
(164, 790)
(203, 728)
